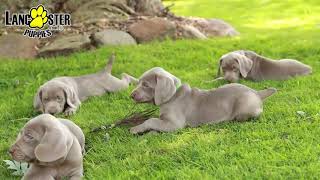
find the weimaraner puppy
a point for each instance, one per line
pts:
(185, 106)
(249, 65)
(65, 94)
(53, 148)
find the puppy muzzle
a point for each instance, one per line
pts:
(136, 96)
(16, 153)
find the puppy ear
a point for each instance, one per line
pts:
(164, 89)
(37, 102)
(54, 143)
(245, 64)
(71, 97)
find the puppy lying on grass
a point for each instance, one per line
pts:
(64, 94)
(249, 65)
(54, 148)
(191, 107)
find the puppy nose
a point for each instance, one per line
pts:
(48, 112)
(229, 79)
(51, 111)
(232, 80)
(133, 95)
(11, 150)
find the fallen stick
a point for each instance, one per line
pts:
(132, 119)
(216, 79)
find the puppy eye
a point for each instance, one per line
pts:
(145, 84)
(46, 99)
(28, 137)
(59, 98)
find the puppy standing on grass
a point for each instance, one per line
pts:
(64, 94)
(249, 65)
(54, 148)
(191, 107)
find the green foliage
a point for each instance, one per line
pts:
(282, 143)
(18, 167)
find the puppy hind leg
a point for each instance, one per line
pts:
(130, 79)
(247, 116)
(248, 107)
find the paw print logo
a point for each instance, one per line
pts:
(39, 17)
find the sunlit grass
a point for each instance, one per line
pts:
(263, 14)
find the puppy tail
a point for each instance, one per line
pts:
(108, 67)
(266, 93)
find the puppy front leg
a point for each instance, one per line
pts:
(75, 178)
(157, 125)
(37, 173)
(121, 84)
(70, 111)
(37, 177)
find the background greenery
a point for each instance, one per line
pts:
(280, 144)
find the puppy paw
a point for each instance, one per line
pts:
(136, 130)
(129, 78)
(70, 111)
(153, 132)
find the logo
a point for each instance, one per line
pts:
(39, 22)
(39, 17)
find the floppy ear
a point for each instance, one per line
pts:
(53, 145)
(71, 97)
(164, 89)
(245, 64)
(37, 102)
(219, 69)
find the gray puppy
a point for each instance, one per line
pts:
(65, 94)
(249, 65)
(185, 106)
(53, 147)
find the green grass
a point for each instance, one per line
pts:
(280, 144)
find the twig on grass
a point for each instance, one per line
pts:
(19, 119)
(133, 118)
(216, 79)
(166, 11)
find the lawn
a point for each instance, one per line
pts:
(281, 144)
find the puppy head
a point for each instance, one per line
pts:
(54, 96)
(155, 86)
(234, 65)
(42, 139)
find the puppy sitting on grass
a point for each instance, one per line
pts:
(54, 148)
(249, 65)
(185, 106)
(64, 94)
